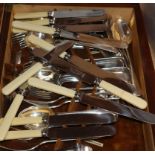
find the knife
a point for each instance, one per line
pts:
(87, 117)
(78, 67)
(69, 35)
(86, 28)
(118, 108)
(65, 134)
(60, 14)
(66, 21)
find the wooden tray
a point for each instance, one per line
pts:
(130, 135)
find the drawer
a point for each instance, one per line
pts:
(131, 135)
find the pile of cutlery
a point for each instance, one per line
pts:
(77, 59)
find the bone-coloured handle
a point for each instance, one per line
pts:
(24, 120)
(23, 134)
(51, 87)
(128, 97)
(30, 15)
(40, 42)
(6, 123)
(10, 87)
(14, 30)
(36, 22)
(33, 27)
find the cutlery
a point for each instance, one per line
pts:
(69, 35)
(9, 88)
(65, 134)
(120, 109)
(95, 71)
(60, 14)
(50, 119)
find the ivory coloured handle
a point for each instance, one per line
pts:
(48, 86)
(30, 15)
(128, 97)
(9, 116)
(24, 120)
(10, 87)
(36, 22)
(33, 27)
(14, 30)
(40, 42)
(23, 134)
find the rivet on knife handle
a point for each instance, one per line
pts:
(9, 88)
(34, 82)
(33, 27)
(6, 123)
(130, 98)
(40, 42)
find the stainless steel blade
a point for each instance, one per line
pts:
(78, 13)
(82, 117)
(119, 108)
(72, 133)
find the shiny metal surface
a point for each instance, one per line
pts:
(50, 119)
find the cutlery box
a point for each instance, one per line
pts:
(130, 135)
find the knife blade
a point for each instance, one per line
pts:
(81, 117)
(60, 14)
(92, 39)
(65, 134)
(59, 21)
(118, 108)
(84, 28)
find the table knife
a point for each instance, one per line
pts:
(65, 134)
(78, 66)
(118, 108)
(87, 117)
(60, 14)
(69, 35)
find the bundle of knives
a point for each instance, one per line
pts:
(72, 72)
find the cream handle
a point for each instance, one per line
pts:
(36, 22)
(14, 30)
(10, 87)
(30, 15)
(48, 86)
(23, 134)
(40, 42)
(33, 27)
(9, 116)
(24, 120)
(128, 97)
